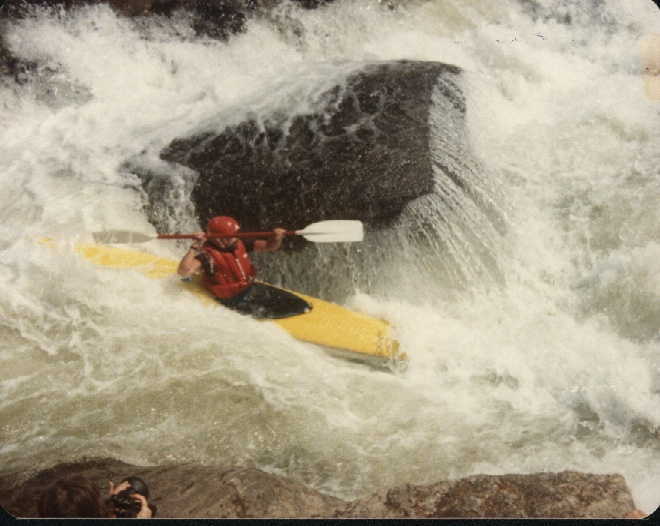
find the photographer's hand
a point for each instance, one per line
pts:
(145, 511)
(120, 487)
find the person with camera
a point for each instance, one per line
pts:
(79, 497)
(128, 499)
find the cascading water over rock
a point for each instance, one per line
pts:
(524, 289)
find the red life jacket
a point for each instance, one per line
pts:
(228, 273)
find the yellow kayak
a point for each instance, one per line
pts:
(341, 331)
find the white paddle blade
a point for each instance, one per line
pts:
(121, 236)
(333, 231)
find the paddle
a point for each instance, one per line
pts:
(331, 231)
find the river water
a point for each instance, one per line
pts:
(530, 308)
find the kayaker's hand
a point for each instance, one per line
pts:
(200, 239)
(273, 243)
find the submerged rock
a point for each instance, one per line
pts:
(211, 18)
(363, 155)
(206, 491)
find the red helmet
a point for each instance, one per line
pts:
(224, 225)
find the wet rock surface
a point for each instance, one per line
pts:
(184, 490)
(207, 491)
(565, 494)
(363, 155)
(211, 18)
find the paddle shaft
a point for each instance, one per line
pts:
(239, 234)
(327, 231)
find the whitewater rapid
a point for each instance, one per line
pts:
(533, 331)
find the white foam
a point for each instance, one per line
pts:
(538, 368)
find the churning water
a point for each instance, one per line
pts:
(529, 304)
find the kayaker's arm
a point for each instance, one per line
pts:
(189, 264)
(272, 244)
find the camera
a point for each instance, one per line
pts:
(125, 506)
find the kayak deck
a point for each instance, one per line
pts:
(344, 332)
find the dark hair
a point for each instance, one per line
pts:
(72, 497)
(138, 485)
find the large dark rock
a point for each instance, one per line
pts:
(363, 155)
(206, 491)
(185, 490)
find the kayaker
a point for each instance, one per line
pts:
(225, 263)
